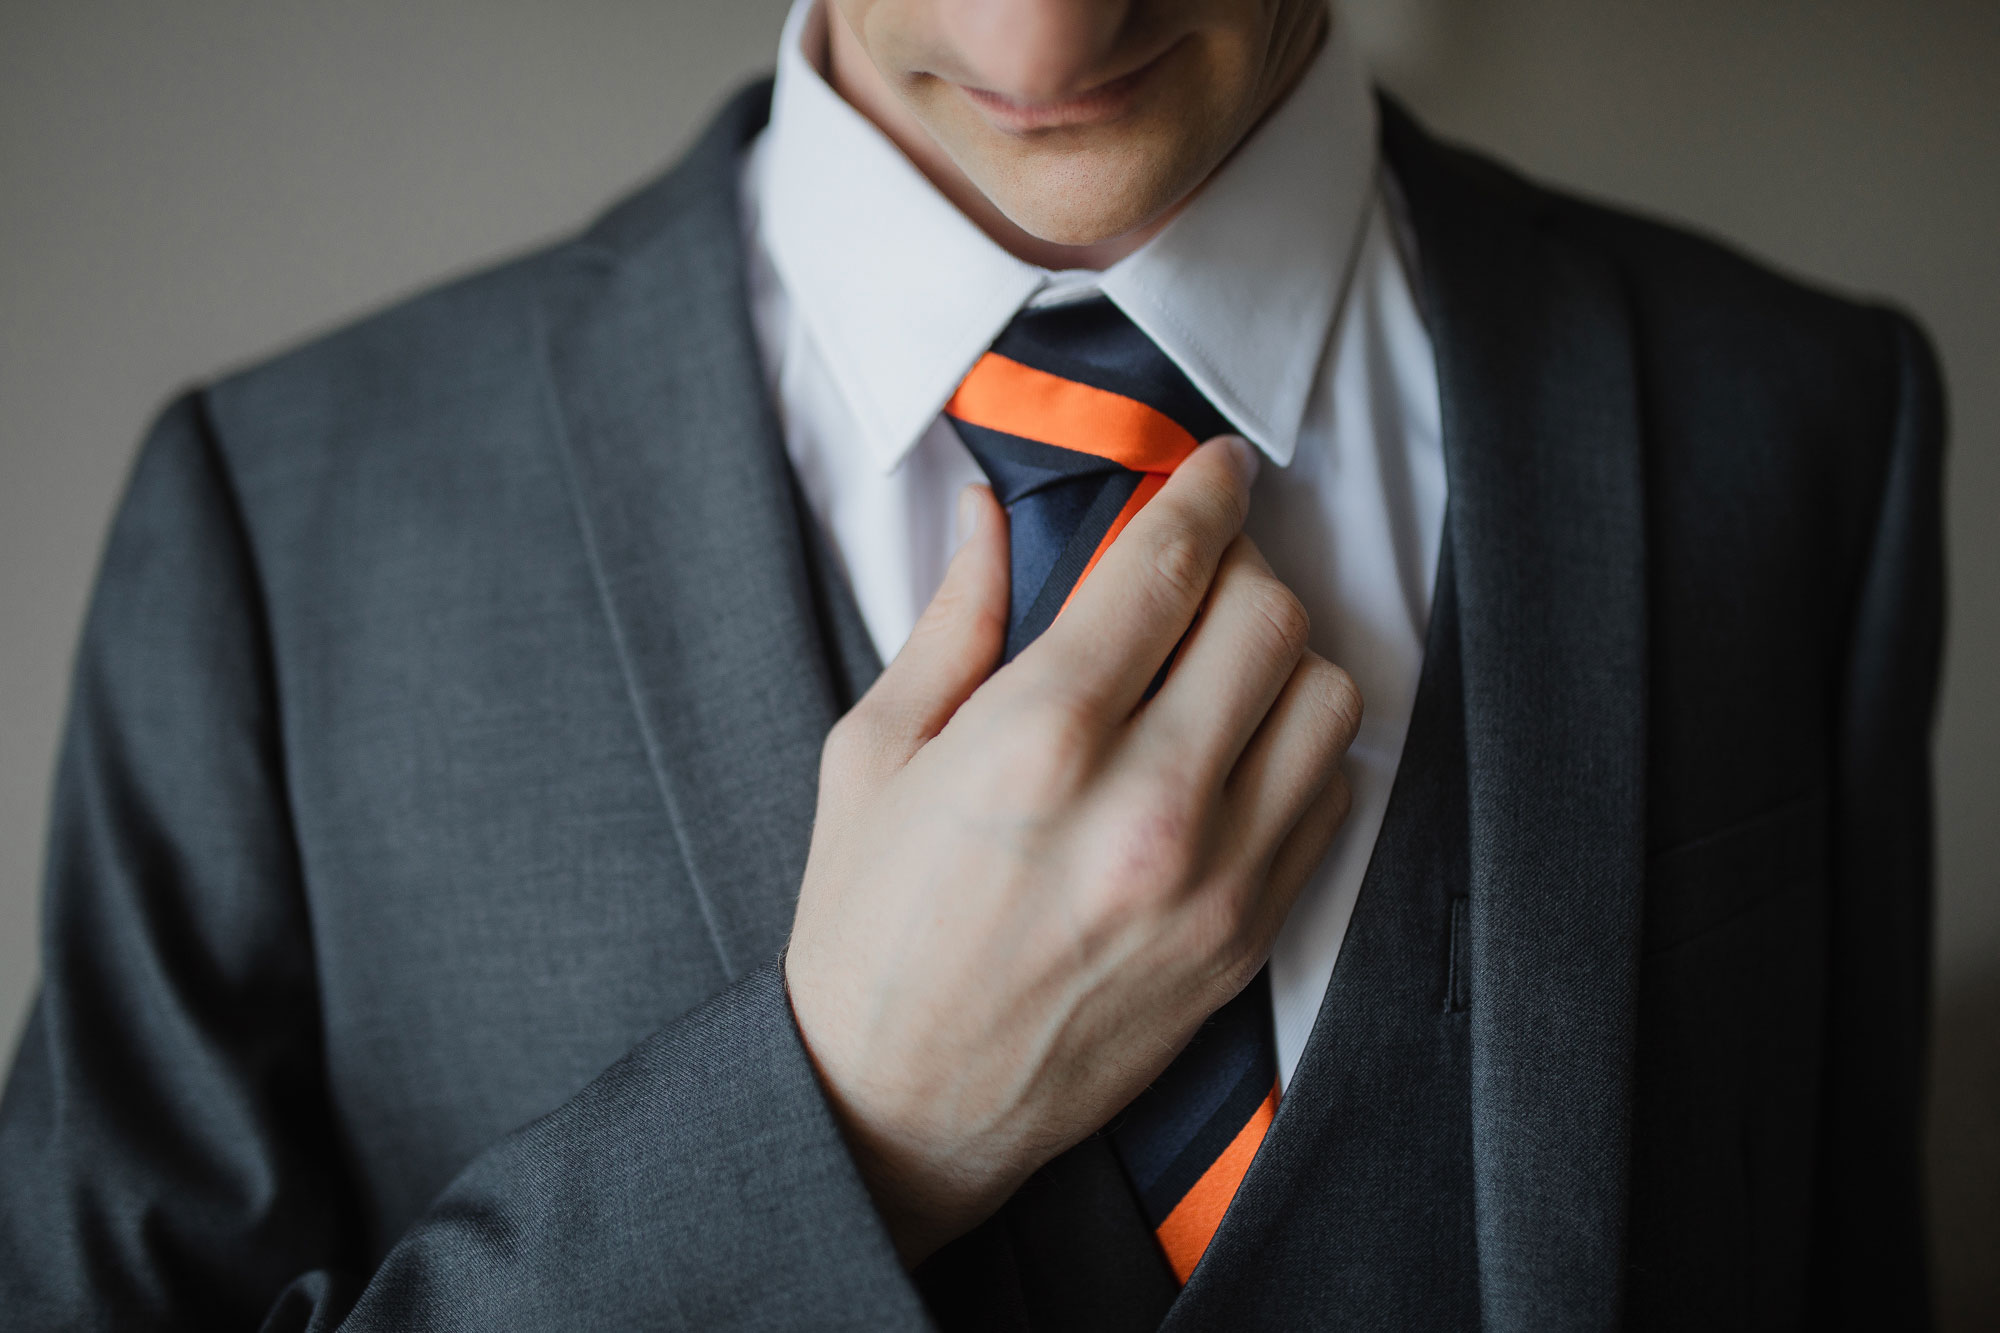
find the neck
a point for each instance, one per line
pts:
(855, 77)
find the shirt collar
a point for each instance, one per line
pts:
(901, 293)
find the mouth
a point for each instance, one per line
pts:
(1105, 102)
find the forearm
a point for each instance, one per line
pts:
(698, 1183)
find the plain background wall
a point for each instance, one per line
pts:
(186, 186)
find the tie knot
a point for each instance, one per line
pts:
(1094, 342)
(1079, 379)
(1076, 418)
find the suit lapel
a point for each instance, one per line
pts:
(1535, 362)
(685, 500)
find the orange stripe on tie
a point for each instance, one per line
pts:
(1004, 395)
(1191, 1225)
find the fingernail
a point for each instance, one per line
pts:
(968, 514)
(1245, 456)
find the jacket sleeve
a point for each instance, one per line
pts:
(1869, 1267)
(168, 1155)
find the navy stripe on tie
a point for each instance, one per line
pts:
(1176, 1128)
(1093, 342)
(1110, 497)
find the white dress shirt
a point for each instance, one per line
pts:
(1282, 290)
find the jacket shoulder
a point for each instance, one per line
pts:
(1754, 382)
(1684, 280)
(1732, 346)
(1680, 278)
(431, 352)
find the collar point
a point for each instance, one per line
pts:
(1276, 451)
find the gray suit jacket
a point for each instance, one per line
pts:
(441, 771)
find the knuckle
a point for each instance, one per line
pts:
(1339, 798)
(855, 734)
(1227, 939)
(1151, 825)
(1178, 564)
(1061, 710)
(1147, 855)
(839, 753)
(1051, 736)
(988, 620)
(1245, 548)
(1240, 960)
(1060, 752)
(1173, 809)
(1280, 609)
(1347, 701)
(850, 727)
(1338, 698)
(956, 608)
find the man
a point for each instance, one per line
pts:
(465, 910)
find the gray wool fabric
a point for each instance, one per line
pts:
(441, 770)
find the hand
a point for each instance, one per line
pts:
(1025, 893)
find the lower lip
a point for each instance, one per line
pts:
(1106, 102)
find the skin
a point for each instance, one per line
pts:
(1070, 130)
(1027, 888)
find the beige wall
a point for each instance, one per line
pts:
(184, 186)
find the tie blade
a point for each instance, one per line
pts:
(1188, 1140)
(1200, 1101)
(1029, 615)
(1185, 1233)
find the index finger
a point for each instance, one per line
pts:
(1136, 602)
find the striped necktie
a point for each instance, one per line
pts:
(1077, 418)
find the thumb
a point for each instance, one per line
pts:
(957, 641)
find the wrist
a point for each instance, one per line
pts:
(917, 1206)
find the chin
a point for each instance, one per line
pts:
(1077, 227)
(1088, 199)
